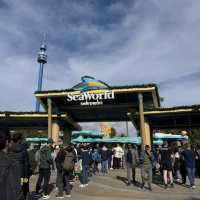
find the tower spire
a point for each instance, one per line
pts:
(41, 59)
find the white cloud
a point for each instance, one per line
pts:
(122, 43)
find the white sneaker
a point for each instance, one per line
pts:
(86, 185)
(59, 197)
(193, 187)
(68, 195)
(81, 186)
(46, 197)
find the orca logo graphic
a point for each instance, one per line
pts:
(89, 83)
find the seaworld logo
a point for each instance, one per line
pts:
(87, 89)
(89, 83)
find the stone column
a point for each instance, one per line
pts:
(55, 131)
(147, 132)
(142, 124)
(127, 133)
(49, 102)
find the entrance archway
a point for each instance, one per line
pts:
(95, 101)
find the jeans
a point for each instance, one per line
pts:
(116, 163)
(109, 162)
(198, 167)
(84, 174)
(25, 188)
(104, 166)
(123, 162)
(63, 182)
(177, 174)
(183, 173)
(130, 171)
(191, 175)
(95, 167)
(44, 174)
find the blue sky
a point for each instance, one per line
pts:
(117, 41)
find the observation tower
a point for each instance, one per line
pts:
(41, 59)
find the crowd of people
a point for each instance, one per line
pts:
(70, 162)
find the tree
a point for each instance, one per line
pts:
(194, 136)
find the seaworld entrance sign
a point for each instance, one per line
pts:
(91, 98)
(92, 92)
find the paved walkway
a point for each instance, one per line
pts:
(113, 187)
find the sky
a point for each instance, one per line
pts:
(121, 42)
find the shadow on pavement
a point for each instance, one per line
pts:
(157, 180)
(125, 180)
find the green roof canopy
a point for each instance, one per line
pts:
(169, 136)
(89, 133)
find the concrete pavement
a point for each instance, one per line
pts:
(113, 187)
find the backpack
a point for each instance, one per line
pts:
(94, 155)
(32, 160)
(68, 163)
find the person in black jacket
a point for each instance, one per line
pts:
(182, 167)
(19, 154)
(10, 188)
(85, 157)
(165, 158)
(32, 160)
(45, 160)
(104, 159)
(63, 174)
(132, 160)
